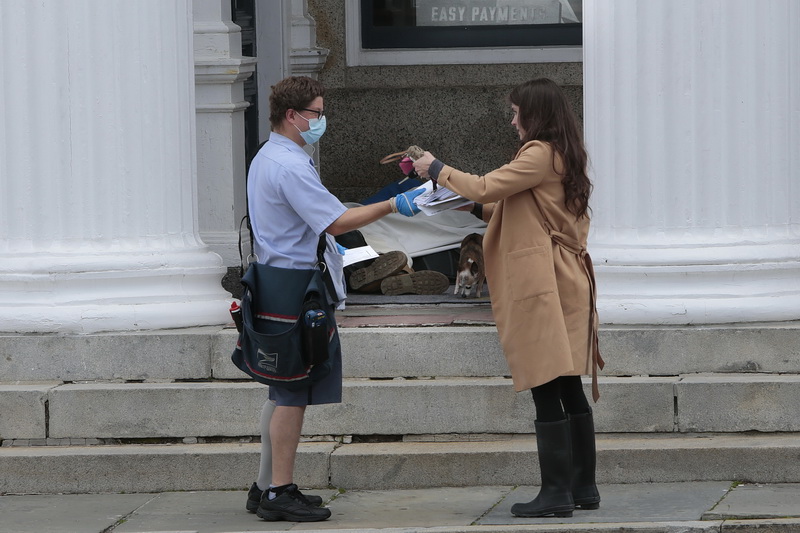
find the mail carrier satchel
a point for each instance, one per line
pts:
(288, 327)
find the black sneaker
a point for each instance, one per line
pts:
(292, 506)
(254, 498)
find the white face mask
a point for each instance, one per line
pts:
(316, 127)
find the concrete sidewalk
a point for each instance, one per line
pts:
(695, 507)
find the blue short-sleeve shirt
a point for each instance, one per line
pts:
(289, 207)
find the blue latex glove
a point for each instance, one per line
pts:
(405, 202)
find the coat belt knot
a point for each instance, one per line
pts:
(573, 246)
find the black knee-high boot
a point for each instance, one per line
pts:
(584, 461)
(555, 463)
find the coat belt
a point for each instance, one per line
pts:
(573, 246)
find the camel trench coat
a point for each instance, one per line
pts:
(541, 290)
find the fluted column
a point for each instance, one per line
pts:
(98, 224)
(692, 114)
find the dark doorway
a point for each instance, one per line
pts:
(243, 14)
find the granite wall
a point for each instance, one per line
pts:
(458, 112)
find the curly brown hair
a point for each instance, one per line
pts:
(294, 92)
(545, 115)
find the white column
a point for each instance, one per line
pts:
(220, 71)
(98, 225)
(692, 118)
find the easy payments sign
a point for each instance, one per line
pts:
(487, 12)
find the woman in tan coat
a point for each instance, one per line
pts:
(542, 285)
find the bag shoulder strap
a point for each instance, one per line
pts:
(323, 266)
(245, 220)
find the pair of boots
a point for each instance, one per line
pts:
(567, 460)
(390, 274)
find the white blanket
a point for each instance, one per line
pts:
(421, 234)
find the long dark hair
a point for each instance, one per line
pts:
(545, 115)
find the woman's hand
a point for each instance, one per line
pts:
(422, 164)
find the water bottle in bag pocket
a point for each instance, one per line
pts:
(315, 333)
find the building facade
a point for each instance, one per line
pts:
(123, 147)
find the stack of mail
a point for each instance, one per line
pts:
(435, 201)
(356, 255)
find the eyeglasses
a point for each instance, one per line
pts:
(320, 113)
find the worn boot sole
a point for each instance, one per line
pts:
(588, 505)
(423, 282)
(384, 266)
(559, 511)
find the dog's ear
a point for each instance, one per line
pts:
(473, 267)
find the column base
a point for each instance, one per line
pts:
(91, 293)
(710, 284)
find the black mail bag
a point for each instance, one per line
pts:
(289, 333)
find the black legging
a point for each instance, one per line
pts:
(554, 398)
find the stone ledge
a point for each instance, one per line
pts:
(621, 459)
(393, 407)
(23, 410)
(470, 351)
(165, 354)
(696, 403)
(737, 402)
(148, 468)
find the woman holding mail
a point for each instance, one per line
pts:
(542, 285)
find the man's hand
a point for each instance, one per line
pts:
(404, 204)
(422, 164)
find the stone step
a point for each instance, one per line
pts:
(387, 352)
(627, 350)
(691, 403)
(752, 458)
(620, 459)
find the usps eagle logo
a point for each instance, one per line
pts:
(267, 361)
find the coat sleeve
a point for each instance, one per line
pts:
(533, 162)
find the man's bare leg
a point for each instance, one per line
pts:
(285, 501)
(284, 432)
